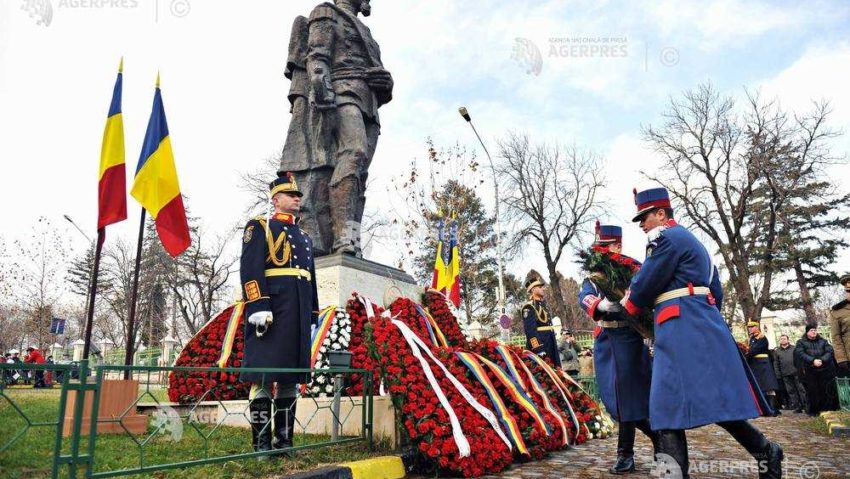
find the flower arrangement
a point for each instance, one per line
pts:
(338, 338)
(205, 350)
(612, 273)
(360, 358)
(598, 423)
(431, 430)
(436, 304)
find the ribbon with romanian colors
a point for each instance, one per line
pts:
(559, 385)
(511, 362)
(434, 331)
(323, 325)
(417, 346)
(230, 334)
(505, 417)
(518, 394)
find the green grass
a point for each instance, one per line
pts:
(30, 456)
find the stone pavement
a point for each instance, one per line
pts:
(713, 454)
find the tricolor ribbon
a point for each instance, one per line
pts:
(505, 417)
(326, 319)
(559, 385)
(230, 334)
(417, 346)
(518, 394)
(535, 385)
(437, 336)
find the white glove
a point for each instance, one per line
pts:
(607, 306)
(260, 318)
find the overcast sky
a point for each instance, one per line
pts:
(225, 95)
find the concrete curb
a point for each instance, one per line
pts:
(383, 467)
(835, 428)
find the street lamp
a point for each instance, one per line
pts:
(78, 228)
(93, 246)
(501, 293)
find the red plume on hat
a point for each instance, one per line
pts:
(634, 192)
(598, 228)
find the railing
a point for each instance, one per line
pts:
(136, 430)
(588, 383)
(843, 385)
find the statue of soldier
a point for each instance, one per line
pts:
(338, 84)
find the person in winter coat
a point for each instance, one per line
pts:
(814, 356)
(783, 366)
(839, 325)
(34, 356)
(569, 350)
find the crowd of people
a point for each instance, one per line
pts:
(37, 378)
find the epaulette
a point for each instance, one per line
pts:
(840, 305)
(527, 303)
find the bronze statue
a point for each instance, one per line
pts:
(338, 84)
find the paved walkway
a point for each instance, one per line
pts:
(713, 454)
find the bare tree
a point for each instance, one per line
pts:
(721, 167)
(40, 277)
(551, 191)
(202, 273)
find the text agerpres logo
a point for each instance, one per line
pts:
(42, 10)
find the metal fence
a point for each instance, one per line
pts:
(122, 428)
(843, 392)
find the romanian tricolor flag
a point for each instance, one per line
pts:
(156, 187)
(440, 263)
(453, 277)
(112, 179)
(446, 277)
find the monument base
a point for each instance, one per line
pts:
(338, 275)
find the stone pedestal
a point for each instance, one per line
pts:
(338, 275)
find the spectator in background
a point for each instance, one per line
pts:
(759, 361)
(34, 357)
(569, 350)
(839, 325)
(786, 372)
(814, 356)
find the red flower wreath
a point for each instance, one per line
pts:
(203, 351)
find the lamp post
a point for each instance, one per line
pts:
(505, 334)
(93, 246)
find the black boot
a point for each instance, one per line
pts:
(774, 403)
(768, 454)
(673, 447)
(625, 449)
(284, 422)
(261, 429)
(644, 427)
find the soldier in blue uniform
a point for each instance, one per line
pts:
(758, 359)
(539, 333)
(621, 359)
(281, 304)
(699, 375)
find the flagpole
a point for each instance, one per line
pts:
(131, 320)
(93, 291)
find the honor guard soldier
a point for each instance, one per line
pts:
(759, 361)
(839, 326)
(281, 304)
(621, 359)
(699, 375)
(539, 333)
